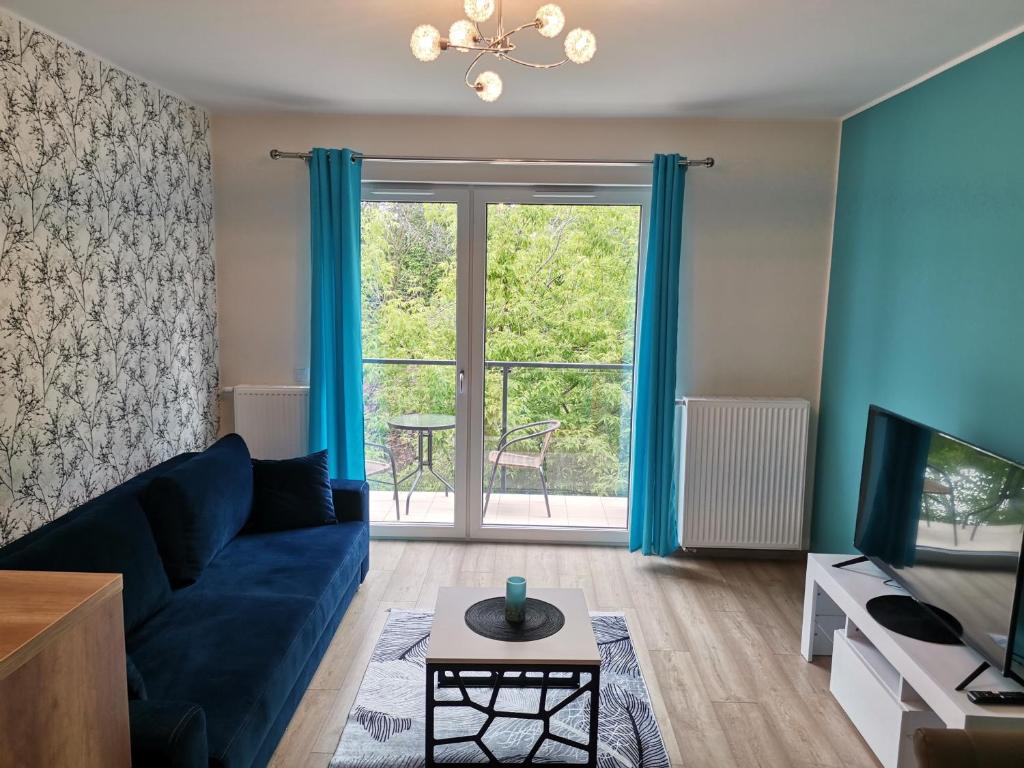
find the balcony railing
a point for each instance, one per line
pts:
(506, 367)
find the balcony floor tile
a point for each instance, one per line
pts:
(505, 509)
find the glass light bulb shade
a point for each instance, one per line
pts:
(479, 10)
(551, 19)
(580, 46)
(488, 86)
(461, 34)
(425, 42)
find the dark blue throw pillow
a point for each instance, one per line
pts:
(196, 508)
(291, 493)
(112, 536)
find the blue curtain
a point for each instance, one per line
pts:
(653, 526)
(336, 354)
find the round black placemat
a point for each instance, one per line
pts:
(903, 615)
(487, 618)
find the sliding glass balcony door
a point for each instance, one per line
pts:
(554, 317)
(413, 262)
(498, 328)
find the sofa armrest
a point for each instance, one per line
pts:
(351, 501)
(952, 748)
(167, 734)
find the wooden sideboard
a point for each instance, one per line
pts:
(63, 693)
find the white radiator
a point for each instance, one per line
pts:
(743, 469)
(273, 421)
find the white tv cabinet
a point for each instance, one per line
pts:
(888, 684)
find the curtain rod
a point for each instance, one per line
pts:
(277, 154)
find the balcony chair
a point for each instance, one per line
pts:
(538, 430)
(379, 467)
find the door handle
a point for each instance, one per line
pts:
(462, 382)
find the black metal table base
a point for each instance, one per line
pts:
(581, 680)
(424, 461)
(516, 679)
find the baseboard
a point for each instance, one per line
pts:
(730, 553)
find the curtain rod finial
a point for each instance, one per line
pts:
(275, 154)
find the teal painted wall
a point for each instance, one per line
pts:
(926, 293)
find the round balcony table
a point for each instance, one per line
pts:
(424, 425)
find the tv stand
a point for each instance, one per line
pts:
(889, 684)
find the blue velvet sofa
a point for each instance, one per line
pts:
(221, 644)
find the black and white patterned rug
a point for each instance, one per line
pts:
(385, 728)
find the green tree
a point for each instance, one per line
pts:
(972, 488)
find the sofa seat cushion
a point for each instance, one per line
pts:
(236, 656)
(167, 734)
(109, 537)
(196, 508)
(236, 641)
(307, 562)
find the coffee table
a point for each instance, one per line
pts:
(458, 658)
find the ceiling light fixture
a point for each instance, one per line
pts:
(465, 36)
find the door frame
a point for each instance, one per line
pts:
(471, 292)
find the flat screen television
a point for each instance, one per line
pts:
(945, 519)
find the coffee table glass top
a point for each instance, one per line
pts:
(429, 421)
(452, 642)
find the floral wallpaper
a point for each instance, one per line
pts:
(108, 345)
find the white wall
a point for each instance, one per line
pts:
(757, 227)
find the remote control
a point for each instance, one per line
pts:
(1011, 698)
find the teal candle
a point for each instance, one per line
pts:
(515, 599)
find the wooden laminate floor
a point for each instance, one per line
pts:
(718, 642)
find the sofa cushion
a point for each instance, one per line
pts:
(273, 736)
(196, 508)
(236, 656)
(167, 734)
(305, 562)
(131, 487)
(236, 641)
(291, 493)
(110, 537)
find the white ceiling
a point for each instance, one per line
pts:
(723, 58)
